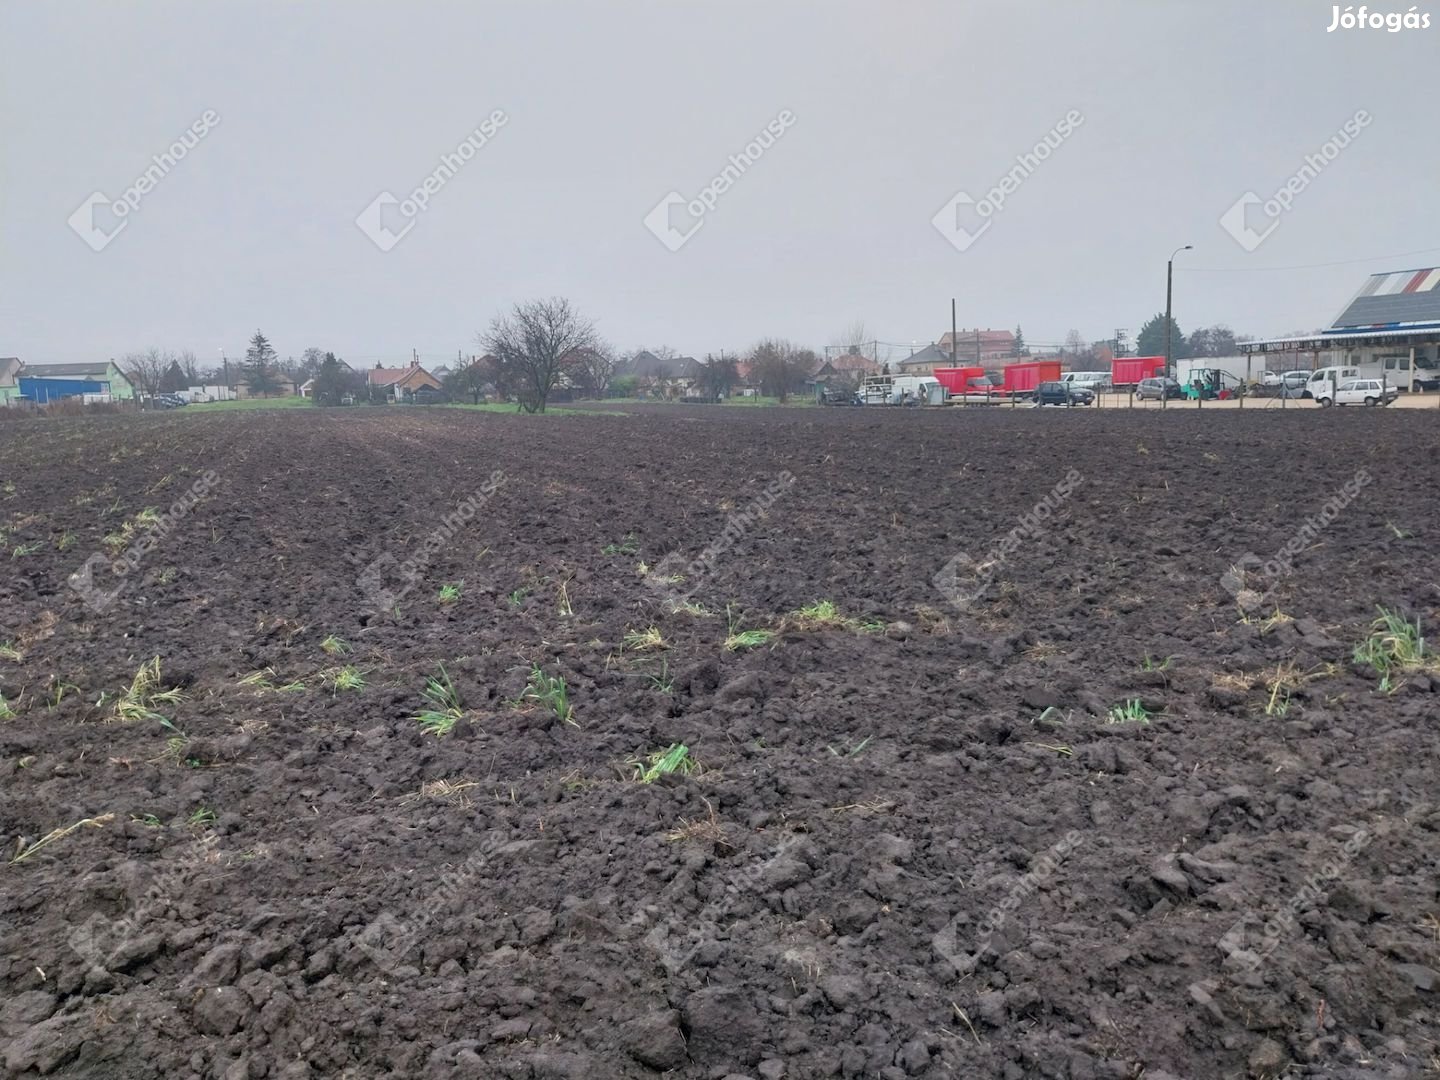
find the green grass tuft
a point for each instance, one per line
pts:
(648, 638)
(137, 702)
(628, 546)
(348, 677)
(675, 758)
(1132, 712)
(1394, 648)
(335, 646)
(748, 639)
(551, 692)
(445, 710)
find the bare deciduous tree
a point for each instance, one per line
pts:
(592, 368)
(470, 379)
(852, 338)
(531, 343)
(146, 369)
(781, 367)
(717, 375)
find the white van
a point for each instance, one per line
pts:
(917, 388)
(1094, 381)
(1322, 381)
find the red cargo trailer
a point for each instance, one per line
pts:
(959, 380)
(1130, 370)
(1026, 378)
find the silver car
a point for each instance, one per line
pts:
(1158, 388)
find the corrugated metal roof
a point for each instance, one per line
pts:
(43, 370)
(1392, 300)
(1331, 338)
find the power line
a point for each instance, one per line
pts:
(1302, 266)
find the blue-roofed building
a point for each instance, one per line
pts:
(106, 373)
(42, 391)
(1392, 325)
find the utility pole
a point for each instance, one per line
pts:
(954, 336)
(1169, 279)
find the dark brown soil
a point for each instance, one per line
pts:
(916, 847)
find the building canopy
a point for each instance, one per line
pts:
(1399, 307)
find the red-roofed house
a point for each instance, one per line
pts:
(855, 365)
(399, 384)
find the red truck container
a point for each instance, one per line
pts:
(1132, 369)
(957, 380)
(1026, 378)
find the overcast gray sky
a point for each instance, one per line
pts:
(607, 108)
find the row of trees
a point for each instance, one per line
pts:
(150, 370)
(536, 345)
(1217, 340)
(540, 344)
(155, 370)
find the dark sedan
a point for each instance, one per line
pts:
(1062, 393)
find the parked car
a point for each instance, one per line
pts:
(1063, 393)
(1294, 384)
(1271, 378)
(1287, 384)
(1357, 392)
(1158, 388)
(169, 401)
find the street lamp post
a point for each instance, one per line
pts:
(1169, 280)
